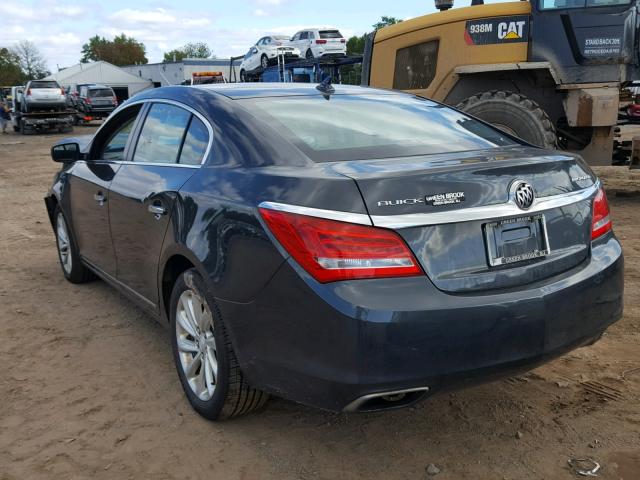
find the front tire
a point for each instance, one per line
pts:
(264, 61)
(72, 268)
(514, 114)
(309, 55)
(207, 366)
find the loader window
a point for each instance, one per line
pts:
(416, 66)
(562, 4)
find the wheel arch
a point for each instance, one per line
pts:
(537, 82)
(177, 261)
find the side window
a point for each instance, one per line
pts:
(312, 35)
(115, 145)
(267, 41)
(195, 143)
(303, 36)
(111, 140)
(416, 66)
(161, 134)
(296, 37)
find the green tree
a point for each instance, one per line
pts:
(122, 50)
(10, 71)
(31, 61)
(189, 50)
(355, 44)
(385, 22)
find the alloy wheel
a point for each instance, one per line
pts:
(264, 61)
(64, 244)
(196, 344)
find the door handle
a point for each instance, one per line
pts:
(100, 198)
(157, 210)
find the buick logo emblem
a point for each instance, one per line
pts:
(523, 195)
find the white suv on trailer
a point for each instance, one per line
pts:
(316, 43)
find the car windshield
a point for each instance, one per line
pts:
(353, 127)
(562, 4)
(44, 84)
(101, 92)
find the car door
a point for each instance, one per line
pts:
(295, 42)
(303, 43)
(88, 190)
(166, 153)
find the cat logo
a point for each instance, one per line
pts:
(511, 30)
(488, 31)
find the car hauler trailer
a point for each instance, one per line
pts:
(302, 71)
(549, 71)
(39, 121)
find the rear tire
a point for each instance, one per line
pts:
(515, 114)
(72, 267)
(264, 61)
(309, 55)
(207, 365)
(243, 76)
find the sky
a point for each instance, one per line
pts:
(60, 28)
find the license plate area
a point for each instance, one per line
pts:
(516, 240)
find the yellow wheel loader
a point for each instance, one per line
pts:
(548, 71)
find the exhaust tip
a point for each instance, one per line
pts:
(386, 400)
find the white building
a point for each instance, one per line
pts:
(124, 84)
(175, 73)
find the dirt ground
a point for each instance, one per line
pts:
(88, 388)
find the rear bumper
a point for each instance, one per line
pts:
(329, 345)
(47, 103)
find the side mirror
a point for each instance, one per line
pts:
(65, 152)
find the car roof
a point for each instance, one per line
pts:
(255, 90)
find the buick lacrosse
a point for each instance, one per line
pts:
(343, 247)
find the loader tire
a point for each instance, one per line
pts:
(515, 114)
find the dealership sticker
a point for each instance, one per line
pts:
(513, 29)
(439, 199)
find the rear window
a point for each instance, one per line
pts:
(101, 92)
(357, 127)
(330, 34)
(44, 84)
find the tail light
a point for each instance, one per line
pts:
(115, 101)
(330, 250)
(28, 92)
(342, 40)
(88, 101)
(601, 220)
(62, 91)
(321, 42)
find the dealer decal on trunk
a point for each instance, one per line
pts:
(488, 31)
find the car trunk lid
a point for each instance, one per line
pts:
(451, 210)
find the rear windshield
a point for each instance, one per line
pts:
(101, 92)
(357, 127)
(330, 34)
(44, 84)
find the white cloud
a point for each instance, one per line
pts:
(132, 16)
(258, 12)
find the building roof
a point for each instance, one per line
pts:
(97, 72)
(187, 61)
